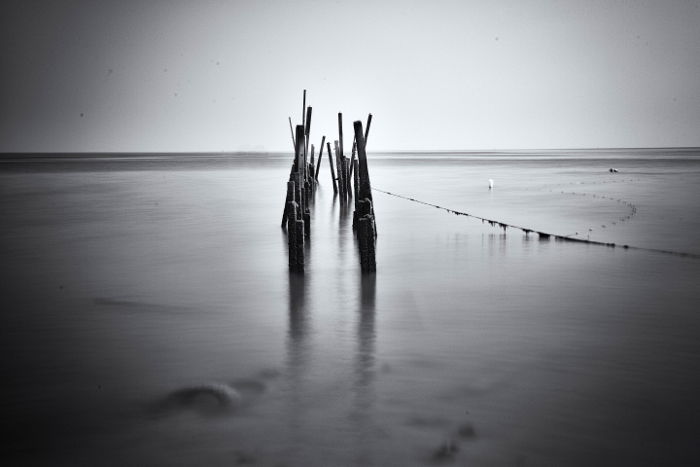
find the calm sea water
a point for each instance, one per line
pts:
(148, 316)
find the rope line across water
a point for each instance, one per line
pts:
(527, 231)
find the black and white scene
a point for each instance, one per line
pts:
(350, 233)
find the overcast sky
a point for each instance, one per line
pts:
(225, 75)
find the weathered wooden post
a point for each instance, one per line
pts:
(330, 164)
(354, 143)
(296, 212)
(312, 169)
(303, 110)
(307, 131)
(339, 169)
(291, 229)
(320, 153)
(366, 240)
(356, 186)
(291, 130)
(366, 227)
(340, 131)
(365, 185)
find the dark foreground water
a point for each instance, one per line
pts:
(148, 316)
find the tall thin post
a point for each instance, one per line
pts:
(291, 130)
(307, 131)
(303, 111)
(369, 122)
(320, 153)
(330, 164)
(365, 186)
(340, 131)
(354, 144)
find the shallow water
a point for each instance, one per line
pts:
(149, 317)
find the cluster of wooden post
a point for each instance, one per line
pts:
(347, 175)
(296, 217)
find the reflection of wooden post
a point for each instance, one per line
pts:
(330, 164)
(320, 153)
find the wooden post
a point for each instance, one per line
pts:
(365, 185)
(299, 245)
(365, 234)
(312, 168)
(291, 130)
(296, 167)
(338, 165)
(364, 212)
(320, 153)
(299, 169)
(354, 144)
(303, 110)
(291, 230)
(369, 122)
(348, 179)
(330, 164)
(284, 212)
(307, 223)
(341, 177)
(352, 155)
(356, 186)
(307, 130)
(340, 131)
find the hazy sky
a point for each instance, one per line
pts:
(225, 75)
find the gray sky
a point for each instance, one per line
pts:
(225, 75)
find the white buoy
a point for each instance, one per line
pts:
(490, 183)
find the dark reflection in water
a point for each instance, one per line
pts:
(297, 349)
(363, 405)
(297, 312)
(497, 244)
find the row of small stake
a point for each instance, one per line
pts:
(302, 182)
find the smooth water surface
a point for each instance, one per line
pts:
(148, 316)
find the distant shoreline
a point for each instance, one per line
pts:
(467, 152)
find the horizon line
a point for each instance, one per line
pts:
(396, 151)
